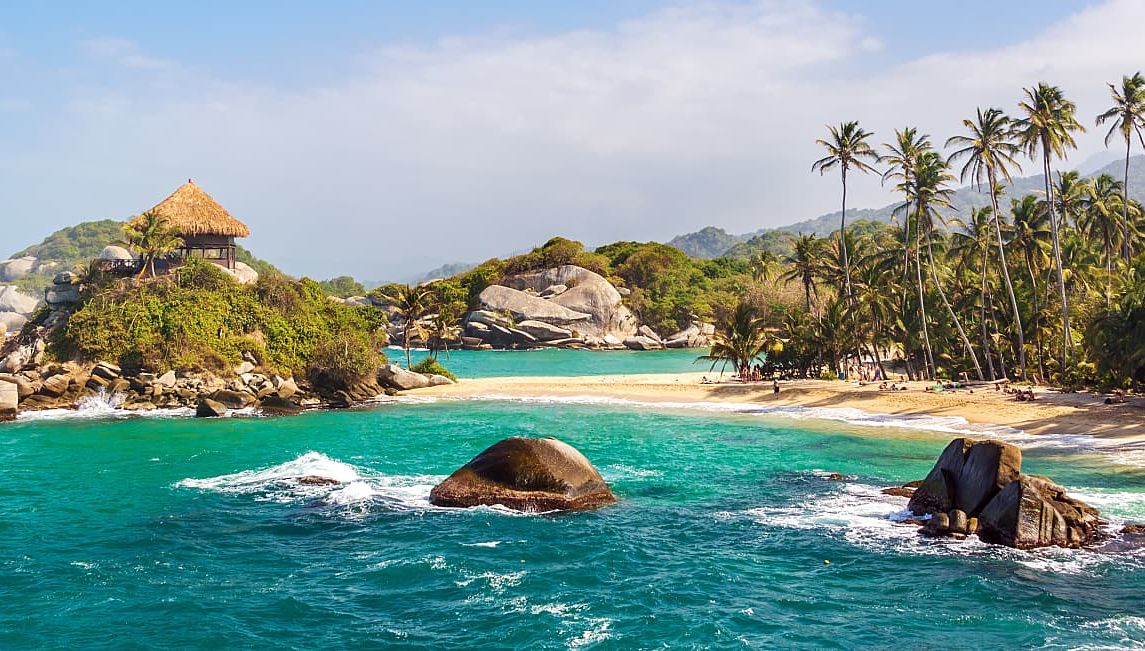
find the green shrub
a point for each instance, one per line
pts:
(430, 366)
(344, 360)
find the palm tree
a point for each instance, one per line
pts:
(971, 246)
(931, 191)
(1033, 238)
(847, 148)
(1098, 220)
(411, 303)
(739, 339)
(1048, 128)
(804, 263)
(989, 153)
(1128, 117)
(763, 265)
(442, 329)
(153, 237)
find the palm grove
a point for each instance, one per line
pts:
(1047, 287)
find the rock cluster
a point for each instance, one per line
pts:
(19, 268)
(16, 308)
(978, 487)
(523, 474)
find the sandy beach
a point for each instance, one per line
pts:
(1052, 413)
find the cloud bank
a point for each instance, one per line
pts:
(468, 147)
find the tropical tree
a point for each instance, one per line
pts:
(1047, 129)
(1032, 237)
(1099, 218)
(1127, 117)
(803, 264)
(847, 148)
(763, 265)
(970, 246)
(989, 152)
(410, 303)
(740, 338)
(152, 237)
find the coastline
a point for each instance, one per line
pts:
(1052, 414)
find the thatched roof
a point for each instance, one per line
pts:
(190, 211)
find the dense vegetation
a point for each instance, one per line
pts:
(201, 319)
(1048, 286)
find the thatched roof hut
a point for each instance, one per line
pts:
(191, 211)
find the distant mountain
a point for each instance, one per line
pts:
(706, 242)
(710, 242)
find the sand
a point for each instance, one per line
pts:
(1051, 413)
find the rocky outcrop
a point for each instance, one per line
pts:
(586, 293)
(640, 342)
(696, 335)
(395, 377)
(978, 487)
(9, 399)
(207, 408)
(524, 306)
(533, 475)
(541, 331)
(113, 252)
(243, 273)
(17, 302)
(17, 268)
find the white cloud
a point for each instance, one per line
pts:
(700, 114)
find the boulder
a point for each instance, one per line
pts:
(525, 475)
(587, 293)
(395, 377)
(645, 331)
(276, 406)
(641, 342)
(167, 380)
(65, 278)
(541, 331)
(24, 386)
(959, 523)
(436, 380)
(244, 274)
(553, 290)
(113, 252)
(11, 322)
(244, 368)
(107, 371)
(9, 400)
(55, 386)
(285, 388)
(967, 475)
(62, 295)
(528, 307)
(16, 269)
(13, 300)
(207, 408)
(1035, 512)
(315, 480)
(233, 399)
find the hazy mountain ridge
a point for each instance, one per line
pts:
(701, 244)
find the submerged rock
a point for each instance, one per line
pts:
(315, 480)
(526, 475)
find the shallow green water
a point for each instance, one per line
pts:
(144, 533)
(552, 361)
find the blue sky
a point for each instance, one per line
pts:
(490, 126)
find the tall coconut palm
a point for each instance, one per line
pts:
(971, 246)
(1099, 220)
(804, 263)
(932, 191)
(1032, 237)
(989, 152)
(740, 338)
(1128, 118)
(411, 303)
(152, 237)
(1047, 129)
(847, 148)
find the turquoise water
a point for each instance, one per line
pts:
(551, 361)
(181, 533)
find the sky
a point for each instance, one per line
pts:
(381, 139)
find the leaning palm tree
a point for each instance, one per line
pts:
(1128, 117)
(411, 303)
(803, 264)
(847, 148)
(1032, 238)
(989, 152)
(740, 339)
(971, 247)
(1047, 129)
(152, 237)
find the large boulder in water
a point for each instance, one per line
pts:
(1035, 512)
(982, 481)
(526, 475)
(967, 474)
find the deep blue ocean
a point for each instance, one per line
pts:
(170, 532)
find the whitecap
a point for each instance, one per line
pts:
(101, 406)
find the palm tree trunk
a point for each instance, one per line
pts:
(1125, 253)
(982, 318)
(930, 368)
(843, 240)
(949, 309)
(1037, 316)
(1067, 338)
(1006, 275)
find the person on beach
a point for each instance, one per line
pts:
(775, 387)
